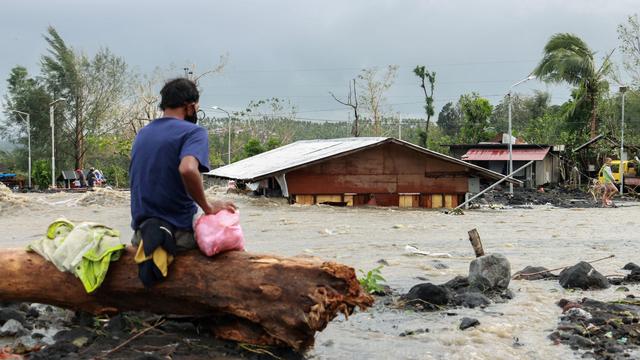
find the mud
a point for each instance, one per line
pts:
(55, 333)
(557, 196)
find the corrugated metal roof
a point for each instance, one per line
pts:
(503, 154)
(306, 152)
(291, 156)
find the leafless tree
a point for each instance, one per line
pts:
(373, 88)
(352, 102)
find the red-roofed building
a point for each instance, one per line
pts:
(494, 156)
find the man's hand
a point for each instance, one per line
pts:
(218, 205)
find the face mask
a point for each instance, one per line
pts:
(193, 118)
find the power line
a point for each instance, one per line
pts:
(351, 68)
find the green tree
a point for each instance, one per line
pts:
(41, 173)
(253, 147)
(450, 119)
(425, 76)
(272, 143)
(25, 93)
(568, 59)
(93, 89)
(476, 112)
(524, 109)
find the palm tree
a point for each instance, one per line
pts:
(568, 59)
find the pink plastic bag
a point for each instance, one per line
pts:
(219, 233)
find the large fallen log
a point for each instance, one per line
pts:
(257, 299)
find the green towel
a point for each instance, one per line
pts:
(85, 250)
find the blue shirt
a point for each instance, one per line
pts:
(157, 189)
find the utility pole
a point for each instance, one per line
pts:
(53, 141)
(530, 77)
(623, 90)
(21, 113)
(229, 122)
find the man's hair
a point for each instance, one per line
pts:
(178, 92)
(607, 159)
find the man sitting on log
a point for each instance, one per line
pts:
(167, 158)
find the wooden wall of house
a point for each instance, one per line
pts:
(387, 171)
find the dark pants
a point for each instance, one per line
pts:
(185, 240)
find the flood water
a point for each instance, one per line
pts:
(361, 237)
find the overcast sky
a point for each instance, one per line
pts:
(301, 50)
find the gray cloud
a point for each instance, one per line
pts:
(303, 49)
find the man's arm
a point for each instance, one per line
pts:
(193, 183)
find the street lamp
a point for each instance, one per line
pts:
(229, 142)
(21, 113)
(530, 77)
(623, 90)
(53, 142)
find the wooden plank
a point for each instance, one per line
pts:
(387, 199)
(360, 199)
(427, 201)
(436, 201)
(418, 183)
(348, 199)
(448, 201)
(405, 201)
(328, 198)
(304, 199)
(454, 201)
(415, 201)
(299, 183)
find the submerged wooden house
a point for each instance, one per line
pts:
(358, 171)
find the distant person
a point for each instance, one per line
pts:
(91, 177)
(609, 187)
(100, 179)
(167, 159)
(81, 178)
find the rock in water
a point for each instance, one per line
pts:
(583, 276)
(539, 273)
(428, 294)
(457, 284)
(490, 273)
(631, 266)
(471, 300)
(8, 313)
(466, 323)
(12, 328)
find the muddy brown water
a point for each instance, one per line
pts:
(360, 237)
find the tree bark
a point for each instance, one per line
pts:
(257, 299)
(474, 238)
(594, 113)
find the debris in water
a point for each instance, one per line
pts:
(466, 323)
(606, 330)
(11, 201)
(104, 197)
(415, 251)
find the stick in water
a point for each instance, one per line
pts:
(474, 238)
(133, 338)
